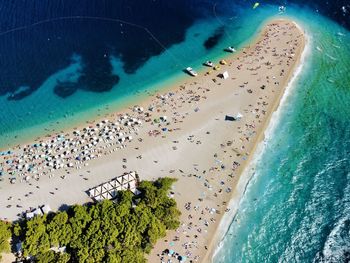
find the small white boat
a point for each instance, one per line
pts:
(190, 71)
(230, 49)
(209, 63)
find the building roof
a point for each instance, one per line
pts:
(109, 190)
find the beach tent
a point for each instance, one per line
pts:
(29, 215)
(46, 209)
(234, 118)
(224, 75)
(229, 118)
(37, 212)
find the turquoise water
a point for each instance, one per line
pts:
(297, 205)
(43, 111)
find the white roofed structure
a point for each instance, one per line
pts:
(46, 209)
(109, 190)
(30, 215)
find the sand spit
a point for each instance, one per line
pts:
(184, 132)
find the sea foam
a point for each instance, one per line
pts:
(249, 172)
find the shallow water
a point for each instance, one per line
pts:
(81, 62)
(63, 62)
(69, 68)
(296, 207)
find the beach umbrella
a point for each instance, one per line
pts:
(171, 251)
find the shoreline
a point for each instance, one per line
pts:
(121, 103)
(196, 127)
(248, 170)
(99, 112)
(244, 175)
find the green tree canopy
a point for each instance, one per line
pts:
(5, 235)
(108, 231)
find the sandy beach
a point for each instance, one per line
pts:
(203, 131)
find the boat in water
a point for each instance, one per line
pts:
(230, 49)
(208, 63)
(191, 72)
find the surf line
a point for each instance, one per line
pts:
(94, 18)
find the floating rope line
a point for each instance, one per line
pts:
(95, 18)
(220, 22)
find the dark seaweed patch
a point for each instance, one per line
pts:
(213, 40)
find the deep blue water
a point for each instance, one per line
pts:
(36, 52)
(64, 61)
(38, 38)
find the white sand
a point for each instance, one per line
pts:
(203, 163)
